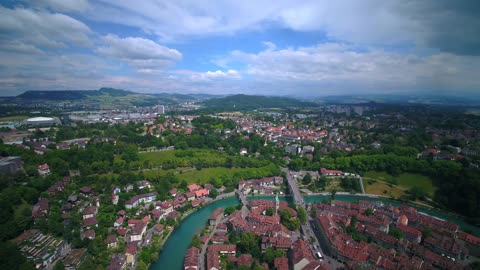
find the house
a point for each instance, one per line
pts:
(137, 199)
(243, 151)
(193, 187)
(118, 222)
(131, 253)
(144, 184)
(191, 259)
(301, 255)
(215, 216)
(43, 170)
(327, 172)
(115, 199)
(90, 212)
(173, 192)
(86, 191)
(190, 196)
(118, 262)
(158, 229)
(89, 234)
(111, 241)
(165, 206)
(138, 231)
(90, 222)
(201, 193)
(281, 263)
(411, 234)
(40, 209)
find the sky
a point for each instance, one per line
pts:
(268, 47)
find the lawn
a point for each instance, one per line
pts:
(380, 188)
(406, 180)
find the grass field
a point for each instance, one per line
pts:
(406, 180)
(380, 188)
(203, 176)
(13, 118)
(157, 158)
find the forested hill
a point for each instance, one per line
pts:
(250, 102)
(72, 94)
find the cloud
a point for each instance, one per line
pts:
(143, 54)
(341, 66)
(450, 26)
(41, 29)
(64, 5)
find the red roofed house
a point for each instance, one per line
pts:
(111, 241)
(43, 170)
(191, 259)
(193, 187)
(215, 216)
(327, 172)
(201, 193)
(411, 233)
(190, 196)
(90, 222)
(301, 255)
(281, 263)
(131, 253)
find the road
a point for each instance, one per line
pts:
(361, 184)
(307, 229)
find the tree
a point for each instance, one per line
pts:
(59, 266)
(332, 196)
(302, 214)
(269, 211)
(196, 241)
(307, 179)
(213, 193)
(369, 212)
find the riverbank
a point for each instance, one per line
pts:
(175, 245)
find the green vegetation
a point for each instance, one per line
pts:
(405, 180)
(246, 102)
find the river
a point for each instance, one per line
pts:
(173, 253)
(174, 250)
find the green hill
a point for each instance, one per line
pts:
(251, 102)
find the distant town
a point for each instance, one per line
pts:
(335, 186)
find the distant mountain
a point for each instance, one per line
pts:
(105, 97)
(250, 102)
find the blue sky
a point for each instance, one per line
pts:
(302, 48)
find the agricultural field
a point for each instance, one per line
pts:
(404, 180)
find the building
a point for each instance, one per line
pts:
(42, 121)
(10, 165)
(111, 241)
(74, 259)
(327, 172)
(215, 216)
(137, 199)
(118, 262)
(43, 170)
(191, 259)
(301, 255)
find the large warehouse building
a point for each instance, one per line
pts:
(42, 121)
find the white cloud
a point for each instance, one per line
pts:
(341, 66)
(42, 29)
(64, 5)
(143, 54)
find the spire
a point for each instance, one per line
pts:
(277, 204)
